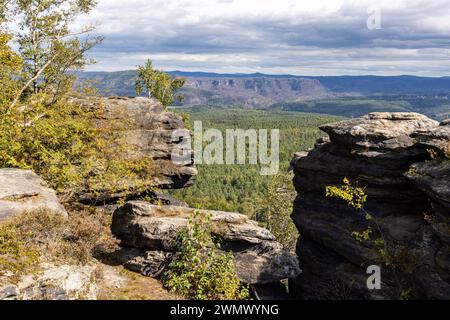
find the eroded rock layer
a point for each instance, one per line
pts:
(389, 155)
(148, 235)
(148, 131)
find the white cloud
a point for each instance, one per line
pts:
(278, 36)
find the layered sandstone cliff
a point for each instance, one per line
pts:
(148, 235)
(147, 129)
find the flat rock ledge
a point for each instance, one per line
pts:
(148, 232)
(64, 282)
(402, 162)
(23, 190)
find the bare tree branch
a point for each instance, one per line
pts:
(29, 82)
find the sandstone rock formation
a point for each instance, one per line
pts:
(437, 139)
(148, 132)
(23, 190)
(388, 155)
(148, 233)
(66, 282)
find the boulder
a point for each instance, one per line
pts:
(265, 263)
(154, 197)
(326, 276)
(9, 292)
(23, 190)
(379, 130)
(64, 282)
(164, 199)
(140, 224)
(437, 139)
(148, 263)
(148, 234)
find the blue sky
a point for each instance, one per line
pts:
(276, 36)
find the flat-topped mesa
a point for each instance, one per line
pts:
(387, 154)
(148, 132)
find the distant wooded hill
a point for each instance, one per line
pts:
(339, 95)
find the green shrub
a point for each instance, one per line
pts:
(74, 148)
(199, 270)
(275, 210)
(354, 196)
(69, 147)
(10, 64)
(158, 84)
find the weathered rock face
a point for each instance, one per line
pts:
(8, 292)
(374, 152)
(433, 178)
(64, 282)
(437, 139)
(149, 232)
(148, 132)
(379, 130)
(23, 190)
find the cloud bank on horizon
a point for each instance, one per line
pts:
(319, 37)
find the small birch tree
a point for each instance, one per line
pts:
(50, 49)
(158, 84)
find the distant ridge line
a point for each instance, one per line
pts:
(203, 74)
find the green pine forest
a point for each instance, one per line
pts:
(241, 188)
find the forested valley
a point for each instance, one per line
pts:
(241, 188)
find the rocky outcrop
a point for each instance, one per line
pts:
(148, 132)
(65, 282)
(23, 190)
(148, 234)
(388, 155)
(437, 139)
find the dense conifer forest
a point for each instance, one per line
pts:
(241, 188)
